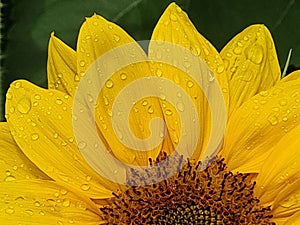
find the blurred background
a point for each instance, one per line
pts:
(26, 27)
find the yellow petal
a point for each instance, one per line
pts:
(251, 64)
(259, 124)
(280, 169)
(292, 76)
(287, 202)
(61, 66)
(44, 202)
(175, 27)
(96, 37)
(41, 124)
(14, 165)
(293, 220)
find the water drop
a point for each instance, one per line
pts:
(220, 68)
(180, 106)
(90, 98)
(34, 136)
(273, 120)
(190, 84)
(116, 37)
(66, 203)
(123, 76)
(12, 109)
(10, 178)
(282, 102)
(169, 112)
(55, 135)
(10, 210)
(150, 109)
(24, 105)
(144, 103)
(109, 83)
(37, 97)
(18, 84)
(173, 17)
(58, 101)
(29, 212)
(237, 50)
(85, 187)
(255, 54)
(81, 145)
(158, 72)
(82, 63)
(8, 96)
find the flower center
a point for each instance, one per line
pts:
(211, 196)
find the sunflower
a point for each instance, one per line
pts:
(254, 179)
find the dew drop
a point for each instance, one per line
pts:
(18, 84)
(58, 101)
(273, 120)
(85, 187)
(34, 136)
(144, 103)
(116, 37)
(220, 68)
(123, 76)
(66, 203)
(173, 17)
(82, 63)
(55, 135)
(8, 96)
(24, 105)
(285, 119)
(90, 98)
(169, 112)
(109, 83)
(237, 50)
(255, 54)
(190, 84)
(158, 72)
(81, 145)
(180, 106)
(150, 109)
(282, 102)
(10, 178)
(10, 210)
(37, 97)
(29, 212)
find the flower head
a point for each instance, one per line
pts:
(49, 176)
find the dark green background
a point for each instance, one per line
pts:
(30, 22)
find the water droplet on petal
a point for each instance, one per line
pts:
(29, 212)
(24, 105)
(66, 203)
(180, 106)
(10, 210)
(220, 68)
(18, 84)
(85, 187)
(123, 76)
(255, 54)
(81, 145)
(58, 101)
(150, 109)
(169, 112)
(8, 96)
(34, 136)
(282, 102)
(116, 37)
(190, 84)
(173, 17)
(158, 72)
(273, 120)
(237, 50)
(109, 83)
(82, 63)
(145, 102)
